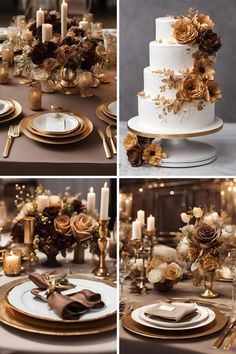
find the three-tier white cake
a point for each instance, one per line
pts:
(164, 105)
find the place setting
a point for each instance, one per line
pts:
(9, 110)
(107, 111)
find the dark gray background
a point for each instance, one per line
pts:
(137, 29)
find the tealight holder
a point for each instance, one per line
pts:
(85, 80)
(101, 270)
(8, 54)
(12, 262)
(35, 97)
(4, 72)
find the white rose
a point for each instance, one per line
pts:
(194, 266)
(197, 212)
(155, 275)
(187, 229)
(28, 207)
(183, 247)
(208, 219)
(215, 216)
(185, 217)
(54, 200)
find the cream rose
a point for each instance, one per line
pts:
(173, 271)
(155, 275)
(197, 212)
(83, 226)
(185, 217)
(62, 224)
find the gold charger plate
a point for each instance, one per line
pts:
(101, 115)
(134, 327)
(63, 322)
(11, 109)
(79, 130)
(14, 114)
(88, 128)
(106, 110)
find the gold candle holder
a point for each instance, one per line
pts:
(35, 97)
(29, 225)
(8, 54)
(4, 73)
(12, 262)
(151, 235)
(101, 270)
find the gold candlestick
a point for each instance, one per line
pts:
(29, 254)
(101, 270)
(151, 235)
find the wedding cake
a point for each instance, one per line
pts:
(179, 89)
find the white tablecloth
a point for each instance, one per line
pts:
(14, 341)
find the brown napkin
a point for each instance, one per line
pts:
(68, 307)
(170, 312)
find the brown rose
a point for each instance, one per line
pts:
(83, 226)
(173, 271)
(208, 236)
(184, 31)
(62, 224)
(209, 42)
(191, 87)
(135, 155)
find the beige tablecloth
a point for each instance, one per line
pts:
(13, 341)
(130, 343)
(28, 157)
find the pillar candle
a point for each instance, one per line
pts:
(27, 36)
(64, 11)
(40, 17)
(46, 32)
(141, 216)
(91, 200)
(150, 223)
(42, 202)
(136, 230)
(104, 202)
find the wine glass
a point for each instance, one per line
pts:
(124, 271)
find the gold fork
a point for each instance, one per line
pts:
(13, 132)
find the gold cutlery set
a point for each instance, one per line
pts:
(104, 142)
(13, 132)
(228, 335)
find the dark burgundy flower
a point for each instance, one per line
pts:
(38, 54)
(78, 206)
(135, 155)
(69, 40)
(209, 42)
(51, 212)
(144, 141)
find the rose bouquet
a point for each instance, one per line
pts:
(202, 243)
(163, 273)
(61, 221)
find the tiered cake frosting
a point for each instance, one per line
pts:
(179, 89)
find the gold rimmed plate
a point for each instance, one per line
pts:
(14, 114)
(136, 328)
(88, 128)
(101, 115)
(76, 132)
(106, 109)
(9, 111)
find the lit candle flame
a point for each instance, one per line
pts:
(105, 185)
(91, 189)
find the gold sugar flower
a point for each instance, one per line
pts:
(184, 31)
(130, 141)
(202, 22)
(203, 68)
(153, 154)
(213, 92)
(191, 87)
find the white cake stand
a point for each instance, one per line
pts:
(181, 151)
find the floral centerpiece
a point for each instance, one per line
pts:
(163, 273)
(61, 221)
(201, 243)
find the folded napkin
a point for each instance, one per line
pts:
(68, 307)
(170, 312)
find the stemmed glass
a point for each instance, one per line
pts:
(124, 271)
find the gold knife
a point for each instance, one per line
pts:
(109, 135)
(227, 329)
(105, 146)
(230, 340)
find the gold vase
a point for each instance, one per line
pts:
(68, 78)
(208, 284)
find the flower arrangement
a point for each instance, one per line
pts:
(202, 242)
(61, 221)
(195, 30)
(76, 51)
(141, 150)
(163, 273)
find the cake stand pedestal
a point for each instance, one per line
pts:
(182, 152)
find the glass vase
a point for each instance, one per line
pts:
(208, 285)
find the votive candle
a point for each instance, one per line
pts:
(35, 97)
(12, 263)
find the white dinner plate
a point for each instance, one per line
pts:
(3, 33)
(201, 315)
(21, 299)
(112, 108)
(136, 316)
(4, 106)
(55, 122)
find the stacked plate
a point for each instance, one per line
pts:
(205, 321)
(9, 109)
(56, 127)
(107, 111)
(20, 309)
